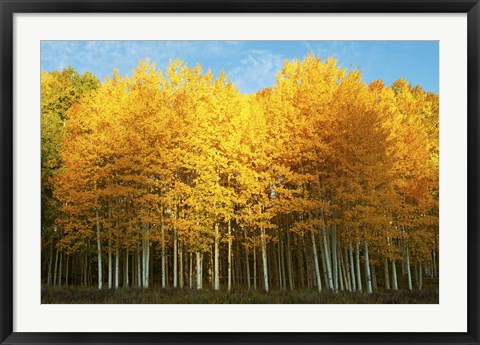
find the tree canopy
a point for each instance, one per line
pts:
(184, 180)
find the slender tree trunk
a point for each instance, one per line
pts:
(334, 258)
(415, 271)
(199, 270)
(394, 275)
(327, 258)
(167, 267)
(321, 249)
(301, 266)
(279, 261)
(217, 254)
(315, 262)
(139, 267)
(85, 275)
(289, 263)
(343, 272)
(175, 258)
(126, 268)
(211, 267)
(247, 263)
(346, 265)
(50, 261)
(308, 266)
(99, 252)
(359, 274)
(147, 258)
(117, 266)
(134, 271)
(409, 273)
(420, 276)
(229, 256)
(340, 269)
(60, 270)
(352, 267)
(254, 267)
(373, 270)
(55, 269)
(144, 263)
(190, 272)
(264, 258)
(66, 273)
(180, 260)
(150, 262)
(387, 275)
(234, 268)
(163, 255)
(109, 263)
(434, 264)
(281, 255)
(368, 276)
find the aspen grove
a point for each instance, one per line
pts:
(174, 179)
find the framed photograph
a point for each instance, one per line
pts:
(239, 172)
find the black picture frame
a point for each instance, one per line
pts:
(10, 7)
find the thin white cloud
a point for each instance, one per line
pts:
(257, 69)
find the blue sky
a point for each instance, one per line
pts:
(251, 65)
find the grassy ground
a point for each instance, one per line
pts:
(82, 295)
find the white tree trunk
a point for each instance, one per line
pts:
(144, 263)
(279, 260)
(139, 267)
(289, 263)
(216, 259)
(394, 275)
(247, 263)
(117, 267)
(352, 267)
(126, 268)
(323, 259)
(254, 268)
(346, 269)
(409, 272)
(199, 271)
(359, 273)
(147, 269)
(229, 257)
(180, 266)
(163, 255)
(190, 272)
(327, 258)
(175, 263)
(341, 270)
(264, 258)
(335, 258)
(99, 253)
(315, 262)
(368, 275)
(109, 264)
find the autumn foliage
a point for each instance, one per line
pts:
(176, 178)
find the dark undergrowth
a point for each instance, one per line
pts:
(155, 295)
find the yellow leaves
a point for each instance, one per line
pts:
(188, 151)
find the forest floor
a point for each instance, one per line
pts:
(156, 295)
